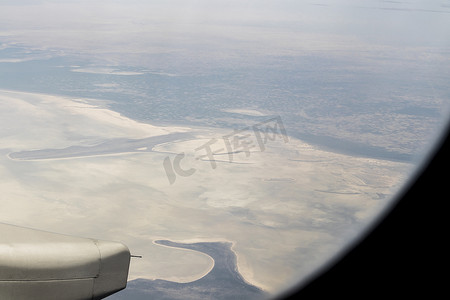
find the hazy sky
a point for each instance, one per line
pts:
(93, 25)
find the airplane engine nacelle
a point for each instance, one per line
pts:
(41, 265)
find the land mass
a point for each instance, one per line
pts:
(110, 147)
(222, 282)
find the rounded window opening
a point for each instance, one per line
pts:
(237, 148)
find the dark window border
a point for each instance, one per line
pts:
(403, 253)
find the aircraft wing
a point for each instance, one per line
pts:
(41, 265)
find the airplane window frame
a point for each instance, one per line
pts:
(398, 255)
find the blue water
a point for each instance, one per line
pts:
(318, 87)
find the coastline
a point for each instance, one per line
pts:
(155, 242)
(245, 273)
(56, 195)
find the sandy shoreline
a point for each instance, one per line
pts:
(128, 197)
(108, 147)
(143, 134)
(243, 271)
(203, 274)
(92, 110)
